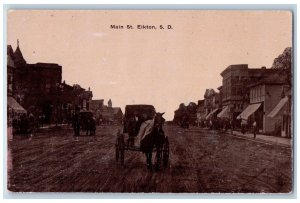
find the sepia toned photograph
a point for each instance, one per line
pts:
(150, 101)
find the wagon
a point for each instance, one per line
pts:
(87, 122)
(124, 139)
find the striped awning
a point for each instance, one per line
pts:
(203, 116)
(278, 107)
(248, 111)
(211, 113)
(12, 103)
(224, 113)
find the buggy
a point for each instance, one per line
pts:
(135, 116)
(87, 122)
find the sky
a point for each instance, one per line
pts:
(162, 67)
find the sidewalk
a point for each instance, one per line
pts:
(286, 142)
(49, 126)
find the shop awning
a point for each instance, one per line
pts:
(224, 113)
(12, 103)
(211, 113)
(248, 111)
(203, 116)
(278, 107)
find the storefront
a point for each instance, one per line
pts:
(14, 108)
(211, 114)
(282, 117)
(253, 112)
(225, 113)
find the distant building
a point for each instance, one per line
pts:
(13, 107)
(96, 105)
(235, 86)
(86, 97)
(265, 94)
(220, 88)
(201, 113)
(283, 110)
(211, 103)
(38, 88)
(270, 97)
(10, 70)
(107, 113)
(109, 103)
(180, 113)
(118, 115)
(225, 112)
(188, 113)
(234, 95)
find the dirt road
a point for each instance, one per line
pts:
(200, 161)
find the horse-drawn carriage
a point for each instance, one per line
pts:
(143, 131)
(84, 121)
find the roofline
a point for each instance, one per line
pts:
(231, 66)
(266, 83)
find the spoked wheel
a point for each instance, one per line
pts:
(122, 152)
(117, 149)
(166, 152)
(120, 148)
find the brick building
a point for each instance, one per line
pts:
(236, 89)
(234, 94)
(39, 89)
(37, 86)
(211, 103)
(13, 107)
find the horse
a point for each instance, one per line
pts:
(155, 139)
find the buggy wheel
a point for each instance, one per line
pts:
(122, 152)
(166, 152)
(117, 150)
(120, 148)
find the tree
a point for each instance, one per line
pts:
(284, 63)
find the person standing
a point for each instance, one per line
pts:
(254, 125)
(31, 125)
(232, 126)
(76, 124)
(243, 125)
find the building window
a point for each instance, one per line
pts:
(234, 91)
(260, 91)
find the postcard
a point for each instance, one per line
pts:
(150, 101)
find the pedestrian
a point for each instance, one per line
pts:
(76, 124)
(31, 124)
(254, 125)
(243, 126)
(225, 124)
(232, 126)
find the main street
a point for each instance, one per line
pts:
(200, 161)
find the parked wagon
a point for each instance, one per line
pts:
(143, 132)
(87, 122)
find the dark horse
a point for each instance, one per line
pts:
(154, 140)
